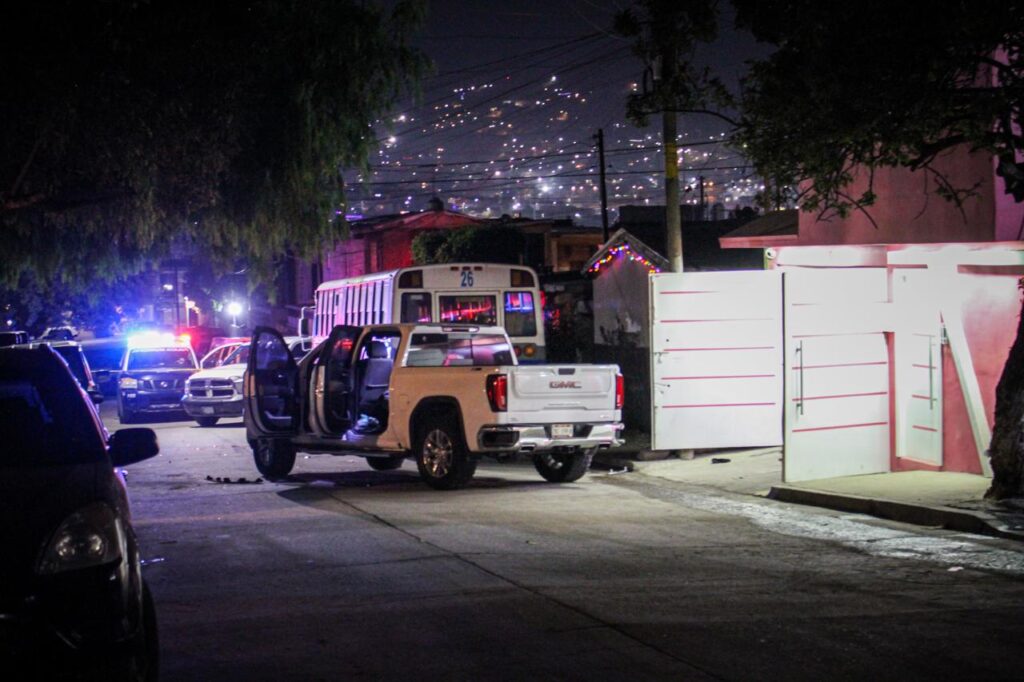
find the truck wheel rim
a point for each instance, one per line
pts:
(437, 453)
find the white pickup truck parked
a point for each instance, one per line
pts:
(444, 394)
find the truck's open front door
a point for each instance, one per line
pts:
(272, 386)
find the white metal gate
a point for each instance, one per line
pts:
(716, 359)
(837, 369)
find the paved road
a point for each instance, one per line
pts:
(343, 573)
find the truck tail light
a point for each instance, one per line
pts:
(497, 392)
(620, 392)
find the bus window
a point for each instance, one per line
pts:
(469, 309)
(520, 314)
(416, 307)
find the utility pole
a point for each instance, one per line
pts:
(701, 180)
(604, 188)
(673, 228)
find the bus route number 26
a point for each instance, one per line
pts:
(467, 278)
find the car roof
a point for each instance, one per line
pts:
(26, 361)
(52, 342)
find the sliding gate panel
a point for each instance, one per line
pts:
(716, 359)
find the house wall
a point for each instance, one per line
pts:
(912, 213)
(991, 304)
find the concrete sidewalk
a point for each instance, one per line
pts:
(939, 499)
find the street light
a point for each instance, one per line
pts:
(234, 310)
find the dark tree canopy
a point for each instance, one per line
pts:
(873, 84)
(129, 126)
(483, 244)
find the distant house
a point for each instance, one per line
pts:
(385, 242)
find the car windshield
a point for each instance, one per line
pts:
(239, 355)
(161, 358)
(42, 424)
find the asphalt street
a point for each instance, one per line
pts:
(343, 572)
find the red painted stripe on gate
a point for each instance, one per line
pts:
(841, 395)
(721, 376)
(840, 426)
(925, 428)
(921, 397)
(683, 350)
(719, 319)
(844, 364)
(695, 291)
(673, 407)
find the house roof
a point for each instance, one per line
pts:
(419, 220)
(771, 229)
(624, 238)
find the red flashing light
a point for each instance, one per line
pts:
(497, 392)
(620, 392)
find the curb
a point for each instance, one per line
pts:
(922, 515)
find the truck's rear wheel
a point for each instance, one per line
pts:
(274, 458)
(385, 463)
(563, 468)
(441, 456)
(207, 421)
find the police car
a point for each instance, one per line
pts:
(153, 375)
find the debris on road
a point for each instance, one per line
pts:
(720, 460)
(227, 479)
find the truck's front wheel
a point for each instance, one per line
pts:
(274, 458)
(441, 456)
(563, 468)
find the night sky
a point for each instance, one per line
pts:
(507, 123)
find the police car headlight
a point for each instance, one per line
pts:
(128, 382)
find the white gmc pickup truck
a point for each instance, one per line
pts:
(444, 394)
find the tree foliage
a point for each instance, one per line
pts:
(129, 125)
(665, 34)
(478, 244)
(869, 84)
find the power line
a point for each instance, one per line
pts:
(505, 178)
(535, 157)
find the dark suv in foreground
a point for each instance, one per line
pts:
(72, 600)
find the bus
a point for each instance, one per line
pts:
(467, 293)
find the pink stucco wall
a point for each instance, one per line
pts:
(909, 212)
(990, 309)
